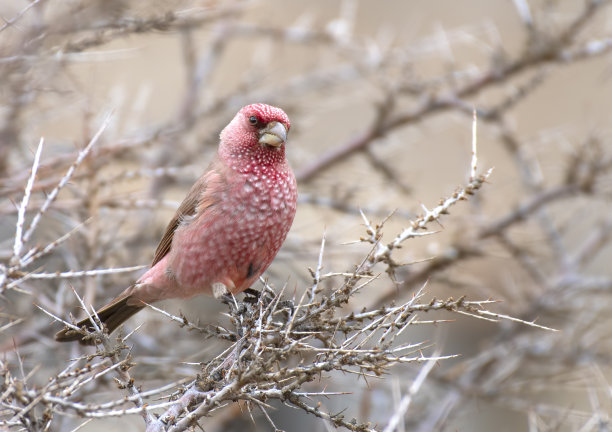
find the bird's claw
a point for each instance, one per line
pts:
(251, 295)
(227, 299)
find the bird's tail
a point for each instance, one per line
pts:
(112, 316)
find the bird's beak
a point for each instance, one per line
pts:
(273, 135)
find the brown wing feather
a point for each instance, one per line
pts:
(196, 201)
(203, 195)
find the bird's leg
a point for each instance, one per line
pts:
(227, 299)
(221, 292)
(219, 289)
(252, 292)
(251, 295)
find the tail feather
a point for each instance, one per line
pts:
(112, 316)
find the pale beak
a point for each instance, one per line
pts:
(274, 134)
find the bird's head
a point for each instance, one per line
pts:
(257, 134)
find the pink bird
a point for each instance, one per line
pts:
(228, 229)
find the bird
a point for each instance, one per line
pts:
(227, 230)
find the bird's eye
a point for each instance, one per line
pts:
(253, 120)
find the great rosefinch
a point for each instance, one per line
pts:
(230, 226)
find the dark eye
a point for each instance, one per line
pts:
(253, 120)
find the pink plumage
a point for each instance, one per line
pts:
(230, 226)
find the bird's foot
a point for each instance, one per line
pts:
(251, 295)
(227, 299)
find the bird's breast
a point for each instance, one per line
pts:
(268, 192)
(238, 237)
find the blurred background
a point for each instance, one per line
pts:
(381, 97)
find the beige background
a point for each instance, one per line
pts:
(141, 78)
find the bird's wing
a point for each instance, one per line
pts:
(197, 200)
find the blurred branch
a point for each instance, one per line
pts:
(549, 50)
(523, 256)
